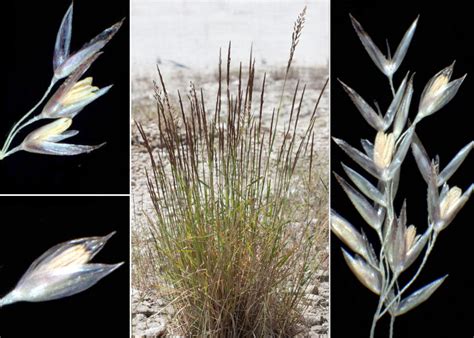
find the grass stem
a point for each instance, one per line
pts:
(18, 126)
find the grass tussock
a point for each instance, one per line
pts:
(233, 242)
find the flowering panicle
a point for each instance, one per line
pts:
(400, 244)
(70, 98)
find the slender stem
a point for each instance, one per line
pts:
(17, 127)
(27, 123)
(384, 268)
(382, 271)
(425, 258)
(8, 153)
(390, 80)
(376, 318)
(386, 287)
(392, 322)
(281, 101)
(391, 216)
(272, 139)
(389, 287)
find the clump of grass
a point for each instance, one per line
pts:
(223, 243)
(399, 244)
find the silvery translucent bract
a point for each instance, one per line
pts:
(64, 63)
(45, 140)
(62, 271)
(69, 99)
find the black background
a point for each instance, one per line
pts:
(29, 33)
(30, 226)
(444, 33)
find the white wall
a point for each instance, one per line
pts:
(190, 32)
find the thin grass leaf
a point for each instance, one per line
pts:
(365, 273)
(367, 112)
(419, 296)
(367, 188)
(63, 39)
(368, 213)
